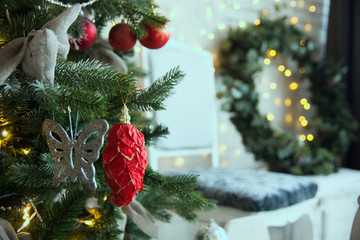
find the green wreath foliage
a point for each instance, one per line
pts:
(242, 55)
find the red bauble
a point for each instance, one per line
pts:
(155, 37)
(124, 161)
(88, 38)
(121, 37)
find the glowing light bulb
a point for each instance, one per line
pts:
(271, 53)
(267, 61)
(266, 95)
(308, 27)
(89, 222)
(138, 49)
(304, 123)
(179, 161)
(211, 36)
(293, 86)
(273, 86)
(303, 101)
(242, 24)
(310, 137)
(277, 101)
(26, 151)
(255, 1)
(223, 148)
(302, 137)
(302, 42)
(257, 22)
(265, 12)
(270, 117)
(294, 20)
(288, 102)
(4, 133)
(281, 68)
(221, 26)
(312, 8)
(301, 70)
(301, 3)
(288, 118)
(222, 6)
(301, 118)
(307, 106)
(237, 6)
(287, 72)
(292, 4)
(203, 31)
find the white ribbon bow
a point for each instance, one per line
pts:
(37, 51)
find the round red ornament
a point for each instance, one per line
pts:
(121, 37)
(124, 160)
(87, 39)
(155, 37)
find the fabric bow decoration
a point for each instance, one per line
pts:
(37, 51)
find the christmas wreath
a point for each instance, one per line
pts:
(333, 126)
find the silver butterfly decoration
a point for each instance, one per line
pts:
(74, 158)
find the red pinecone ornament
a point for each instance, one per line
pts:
(124, 161)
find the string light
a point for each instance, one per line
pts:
(301, 3)
(265, 12)
(287, 102)
(221, 26)
(293, 86)
(301, 70)
(255, 1)
(307, 106)
(257, 22)
(281, 68)
(267, 61)
(4, 133)
(292, 4)
(242, 24)
(304, 123)
(237, 6)
(287, 72)
(303, 101)
(138, 49)
(312, 8)
(273, 86)
(222, 6)
(266, 95)
(211, 36)
(270, 117)
(202, 31)
(308, 27)
(277, 101)
(26, 151)
(179, 161)
(310, 137)
(27, 216)
(294, 20)
(288, 118)
(271, 52)
(302, 137)
(223, 148)
(302, 42)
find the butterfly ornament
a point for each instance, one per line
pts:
(74, 158)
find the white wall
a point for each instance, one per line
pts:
(202, 24)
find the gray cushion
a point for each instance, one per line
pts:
(253, 190)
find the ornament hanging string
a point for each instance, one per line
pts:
(127, 94)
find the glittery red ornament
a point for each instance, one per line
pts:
(121, 38)
(155, 37)
(87, 39)
(124, 161)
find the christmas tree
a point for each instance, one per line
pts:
(50, 105)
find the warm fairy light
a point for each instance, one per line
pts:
(301, 70)
(237, 6)
(214, 55)
(26, 151)
(287, 72)
(293, 86)
(257, 22)
(303, 101)
(179, 161)
(214, 70)
(288, 118)
(281, 68)
(273, 86)
(301, 3)
(288, 102)
(271, 53)
(26, 217)
(208, 10)
(221, 26)
(223, 127)
(294, 20)
(138, 49)
(302, 42)
(265, 12)
(312, 8)
(310, 137)
(277, 101)
(307, 106)
(293, 4)
(211, 36)
(222, 6)
(270, 117)
(301, 118)
(4, 133)
(223, 148)
(308, 27)
(203, 31)
(255, 1)
(266, 95)
(302, 137)
(267, 61)
(304, 123)
(224, 163)
(105, 198)
(88, 222)
(242, 24)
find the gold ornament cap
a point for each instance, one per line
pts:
(124, 116)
